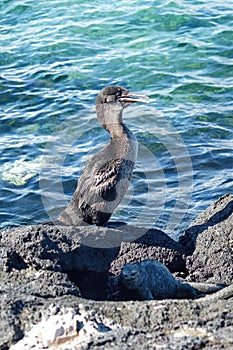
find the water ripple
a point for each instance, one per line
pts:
(56, 56)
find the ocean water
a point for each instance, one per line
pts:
(55, 56)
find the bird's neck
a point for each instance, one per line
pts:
(119, 130)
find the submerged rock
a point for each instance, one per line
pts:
(20, 171)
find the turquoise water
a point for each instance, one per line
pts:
(56, 55)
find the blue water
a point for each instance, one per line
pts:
(57, 55)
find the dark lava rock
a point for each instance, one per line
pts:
(167, 324)
(212, 259)
(154, 244)
(43, 283)
(216, 218)
(59, 249)
(44, 270)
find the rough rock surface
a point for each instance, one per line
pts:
(47, 274)
(212, 259)
(154, 244)
(216, 218)
(163, 324)
(59, 249)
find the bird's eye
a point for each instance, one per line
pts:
(118, 93)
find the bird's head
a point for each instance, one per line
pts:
(112, 100)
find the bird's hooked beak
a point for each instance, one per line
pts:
(131, 97)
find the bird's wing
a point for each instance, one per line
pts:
(106, 182)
